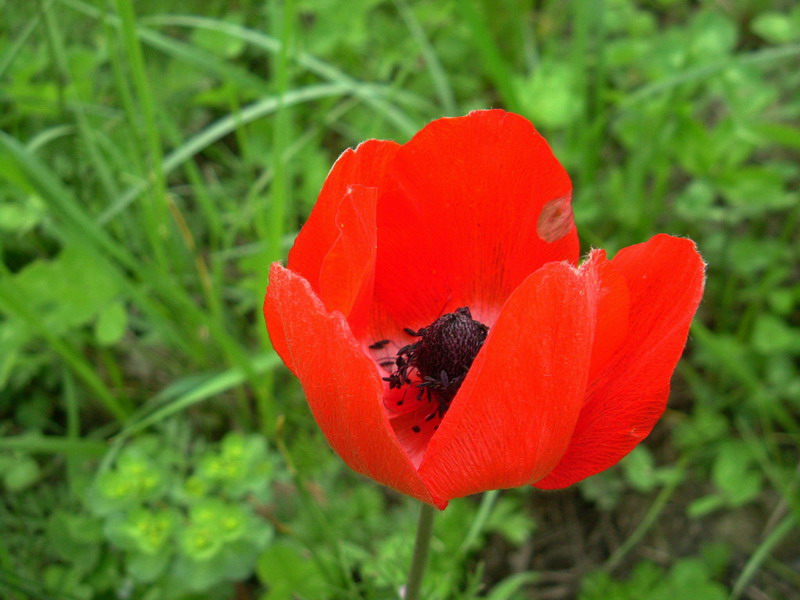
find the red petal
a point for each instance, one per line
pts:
(665, 278)
(348, 270)
(363, 166)
(414, 442)
(512, 419)
(341, 383)
(613, 308)
(470, 207)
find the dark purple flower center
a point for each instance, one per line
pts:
(441, 358)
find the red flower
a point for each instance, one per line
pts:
(444, 335)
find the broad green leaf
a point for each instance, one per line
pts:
(22, 472)
(288, 573)
(776, 27)
(111, 324)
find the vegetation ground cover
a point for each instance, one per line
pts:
(156, 157)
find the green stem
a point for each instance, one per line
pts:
(421, 547)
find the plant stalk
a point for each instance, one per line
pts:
(421, 547)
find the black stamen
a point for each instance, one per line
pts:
(441, 358)
(415, 429)
(379, 344)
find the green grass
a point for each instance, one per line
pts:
(156, 157)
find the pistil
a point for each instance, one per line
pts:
(438, 362)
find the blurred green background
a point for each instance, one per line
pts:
(156, 157)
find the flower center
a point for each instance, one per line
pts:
(441, 357)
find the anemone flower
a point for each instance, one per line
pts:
(447, 338)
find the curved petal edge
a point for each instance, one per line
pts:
(512, 419)
(665, 278)
(341, 383)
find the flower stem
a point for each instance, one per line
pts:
(421, 547)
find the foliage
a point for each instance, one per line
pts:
(163, 521)
(689, 578)
(155, 157)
